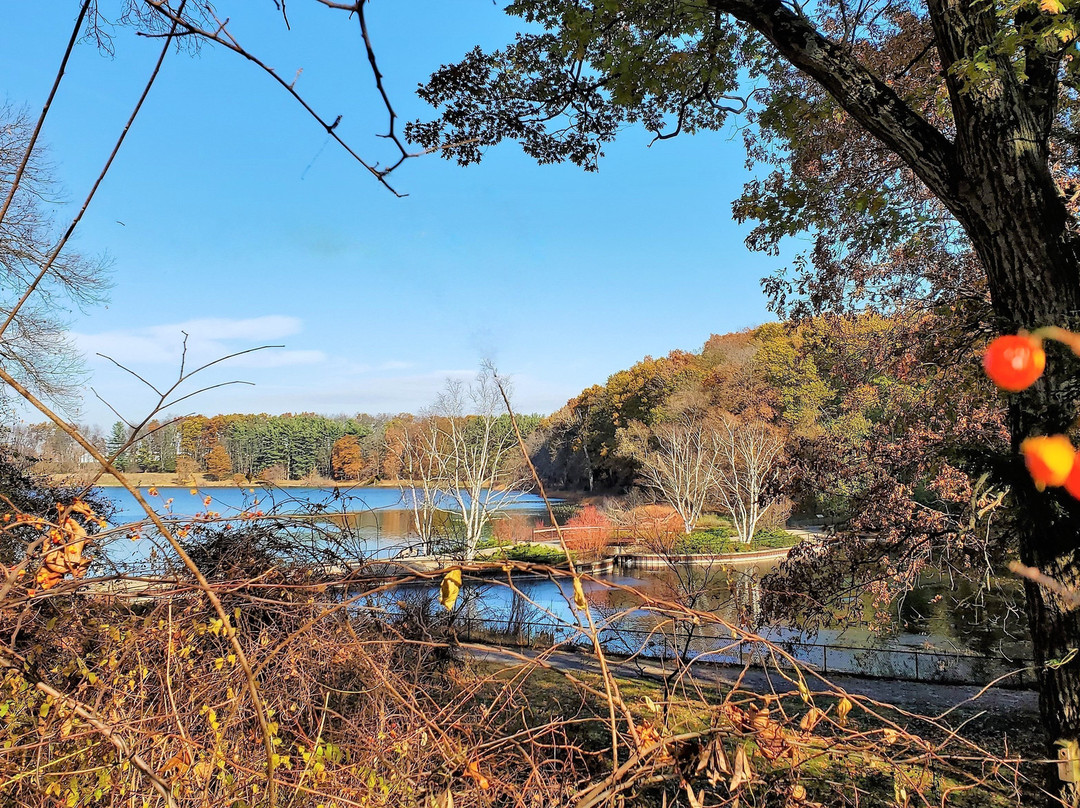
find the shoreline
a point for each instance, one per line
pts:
(170, 480)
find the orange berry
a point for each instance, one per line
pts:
(1072, 482)
(1013, 362)
(1049, 459)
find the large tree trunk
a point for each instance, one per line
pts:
(994, 176)
(1021, 230)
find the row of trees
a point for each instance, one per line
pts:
(274, 447)
(928, 150)
(698, 460)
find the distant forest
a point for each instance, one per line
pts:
(864, 417)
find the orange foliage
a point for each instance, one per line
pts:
(63, 546)
(346, 458)
(218, 463)
(588, 531)
(513, 529)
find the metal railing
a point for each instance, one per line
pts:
(905, 664)
(608, 534)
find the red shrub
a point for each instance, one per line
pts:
(589, 531)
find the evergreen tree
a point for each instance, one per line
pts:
(116, 440)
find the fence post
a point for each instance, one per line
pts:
(825, 658)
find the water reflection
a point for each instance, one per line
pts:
(942, 613)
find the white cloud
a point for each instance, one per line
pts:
(207, 339)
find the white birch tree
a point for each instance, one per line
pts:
(749, 459)
(476, 443)
(679, 461)
(422, 468)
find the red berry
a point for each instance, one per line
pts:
(1013, 362)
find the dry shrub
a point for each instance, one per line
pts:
(273, 474)
(654, 525)
(589, 532)
(361, 713)
(513, 528)
(186, 468)
(372, 702)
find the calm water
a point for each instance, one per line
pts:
(939, 614)
(234, 501)
(378, 520)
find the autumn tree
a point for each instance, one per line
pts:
(679, 460)
(423, 447)
(579, 445)
(347, 460)
(936, 126)
(185, 470)
(750, 453)
(218, 464)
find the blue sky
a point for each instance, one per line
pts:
(228, 215)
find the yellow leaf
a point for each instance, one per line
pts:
(1051, 6)
(451, 586)
(843, 707)
(900, 794)
(579, 595)
(804, 691)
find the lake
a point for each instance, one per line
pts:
(938, 615)
(379, 519)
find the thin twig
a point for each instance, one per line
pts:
(55, 253)
(21, 170)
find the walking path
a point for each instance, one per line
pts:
(919, 697)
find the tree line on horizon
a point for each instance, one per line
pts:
(290, 446)
(885, 421)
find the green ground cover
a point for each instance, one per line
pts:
(721, 539)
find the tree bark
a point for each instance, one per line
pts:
(1010, 207)
(995, 178)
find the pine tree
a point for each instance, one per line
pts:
(116, 440)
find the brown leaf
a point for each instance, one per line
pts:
(743, 773)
